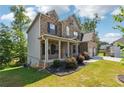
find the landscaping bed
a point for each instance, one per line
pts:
(121, 78)
(62, 70)
(69, 65)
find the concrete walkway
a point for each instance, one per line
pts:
(94, 59)
(112, 58)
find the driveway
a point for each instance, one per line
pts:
(94, 59)
(97, 58)
(112, 58)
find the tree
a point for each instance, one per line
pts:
(119, 18)
(5, 44)
(90, 25)
(19, 27)
(103, 43)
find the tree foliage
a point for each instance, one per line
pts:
(119, 18)
(21, 21)
(90, 25)
(19, 26)
(13, 43)
(6, 44)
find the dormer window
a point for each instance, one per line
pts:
(67, 30)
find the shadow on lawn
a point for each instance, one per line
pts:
(21, 77)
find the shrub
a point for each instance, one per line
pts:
(56, 63)
(2, 66)
(14, 63)
(86, 55)
(71, 63)
(80, 59)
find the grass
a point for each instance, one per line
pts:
(122, 60)
(101, 73)
(101, 54)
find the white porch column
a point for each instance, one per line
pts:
(46, 52)
(77, 49)
(59, 49)
(68, 47)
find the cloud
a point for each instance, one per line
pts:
(58, 8)
(30, 12)
(116, 11)
(89, 11)
(8, 16)
(110, 37)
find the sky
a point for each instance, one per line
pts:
(104, 28)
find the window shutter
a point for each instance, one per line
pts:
(48, 27)
(55, 29)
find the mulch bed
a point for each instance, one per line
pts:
(62, 71)
(121, 78)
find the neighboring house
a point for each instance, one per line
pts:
(49, 39)
(104, 48)
(89, 43)
(115, 50)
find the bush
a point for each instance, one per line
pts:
(56, 63)
(86, 56)
(71, 62)
(80, 59)
(2, 67)
(15, 63)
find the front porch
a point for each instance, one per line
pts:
(54, 47)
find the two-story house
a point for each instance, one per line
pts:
(49, 39)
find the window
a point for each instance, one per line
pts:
(67, 30)
(52, 28)
(43, 49)
(75, 34)
(53, 49)
(74, 48)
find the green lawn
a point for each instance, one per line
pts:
(101, 73)
(101, 54)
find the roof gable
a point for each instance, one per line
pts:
(74, 20)
(32, 23)
(53, 14)
(88, 37)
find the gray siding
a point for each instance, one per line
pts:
(34, 44)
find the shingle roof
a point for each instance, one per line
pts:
(88, 36)
(121, 40)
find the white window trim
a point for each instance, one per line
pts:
(75, 34)
(67, 31)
